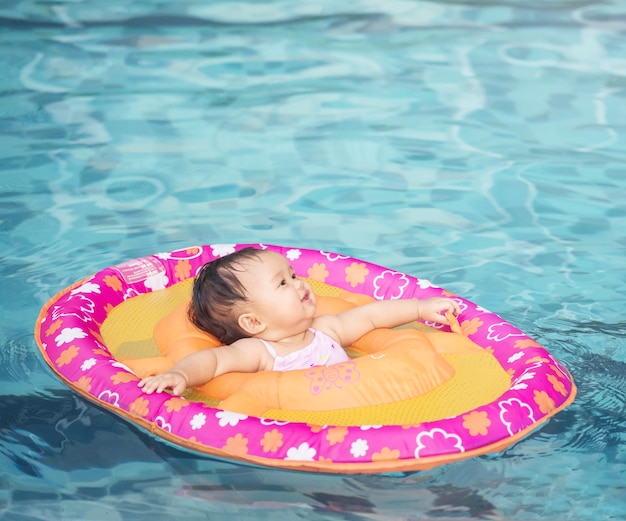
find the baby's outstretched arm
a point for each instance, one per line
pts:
(354, 323)
(245, 355)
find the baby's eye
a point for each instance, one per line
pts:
(294, 276)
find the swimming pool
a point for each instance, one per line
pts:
(481, 147)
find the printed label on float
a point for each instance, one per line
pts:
(137, 270)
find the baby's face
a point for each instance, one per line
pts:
(277, 295)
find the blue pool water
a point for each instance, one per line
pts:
(479, 145)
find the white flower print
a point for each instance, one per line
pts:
(437, 438)
(130, 293)
(157, 281)
(515, 415)
(515, 357)
(69, 334)
(519, 384)
(390, 284)
(368, 427)
(498, 332)
(160, 421)
(332, 257)
(198, 421)
(229, 418)
(110, 397)
(301, 453)
(293, 255)
(88, 364)
(269, 421)
(359, 448)
(220, 250)
(120, 365)
(82, 308)
(87, 287)
(425, 284)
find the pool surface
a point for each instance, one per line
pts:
(481, 146)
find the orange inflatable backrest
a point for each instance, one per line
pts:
(400, 364)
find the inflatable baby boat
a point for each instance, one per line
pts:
(408, 399)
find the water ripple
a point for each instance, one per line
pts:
(478, 145)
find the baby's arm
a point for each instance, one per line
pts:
(245, 355)
(354, 323)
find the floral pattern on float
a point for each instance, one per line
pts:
(68, 333)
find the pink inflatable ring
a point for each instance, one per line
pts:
(92, 333)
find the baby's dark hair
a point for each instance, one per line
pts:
(216, 292)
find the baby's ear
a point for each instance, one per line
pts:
(251, 324)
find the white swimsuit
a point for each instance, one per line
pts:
(323, 350)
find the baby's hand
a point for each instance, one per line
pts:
(171, 380)
(435, 309)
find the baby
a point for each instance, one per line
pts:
(254, 303)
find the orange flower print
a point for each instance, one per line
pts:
(96, 334)
(108, 307)
(192, 251)
(386, 454)
(336, 434)
(53, 327)
(140, 407)
(526, 342)
(84, 383)
(272, 441)
(545, 403)
(182, 270)
(237, 444)
(557, 384)
(122, 377)
(315, 428)
(469, 327)
(67, 356)
(175, 404)
(113, 282)
(477, 422)
(558, 371)
(356, 273)
(536, 359)
(318, 272)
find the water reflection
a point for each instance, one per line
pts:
(63, 447)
